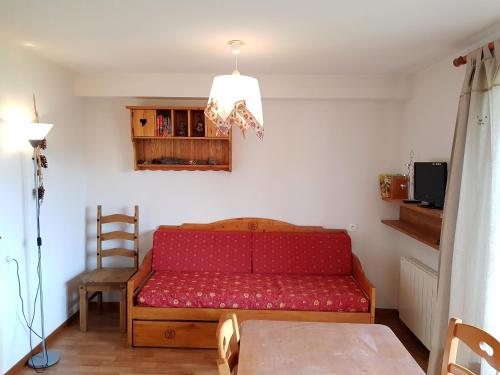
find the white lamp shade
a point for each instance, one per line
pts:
(37, 131)
(229, 89)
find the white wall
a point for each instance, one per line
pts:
(63, 212)
(318, 165)
(272, 86)
(429, 114)
(427, 128)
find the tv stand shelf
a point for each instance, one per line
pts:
(422, 224)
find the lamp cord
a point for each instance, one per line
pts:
(29, 324)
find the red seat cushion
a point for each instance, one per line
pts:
(302, 253)
(253, 291)
(180, 250)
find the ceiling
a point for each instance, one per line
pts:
(282, 37)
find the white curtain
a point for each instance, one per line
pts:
(469, 264)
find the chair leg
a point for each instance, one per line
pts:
(123, 308)
(99, 301)
(83, 308)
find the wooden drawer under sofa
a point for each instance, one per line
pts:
(174, 334)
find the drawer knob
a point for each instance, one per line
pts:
(170, 334)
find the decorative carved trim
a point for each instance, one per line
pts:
(252, 224)
(170, 334)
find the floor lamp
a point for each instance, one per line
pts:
(36, 133)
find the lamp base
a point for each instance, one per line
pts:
(40, 361)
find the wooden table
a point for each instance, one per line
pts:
(298, 348)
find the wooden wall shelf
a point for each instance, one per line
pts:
(422, 224)
(182, 167)
(177, 138)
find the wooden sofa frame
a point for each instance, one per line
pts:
(195, 327)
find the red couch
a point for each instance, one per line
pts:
(311, 274)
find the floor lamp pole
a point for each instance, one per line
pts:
(45, 358)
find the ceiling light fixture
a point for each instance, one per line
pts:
(235, 100)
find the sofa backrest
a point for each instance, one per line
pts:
(204, 251)
(302, 253)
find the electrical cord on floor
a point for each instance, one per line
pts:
(29, 324)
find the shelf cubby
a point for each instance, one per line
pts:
(197, 124)
(181, 125)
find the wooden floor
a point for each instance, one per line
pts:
(418, 351)
(104, 350)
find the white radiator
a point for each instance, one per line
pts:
(417, 296)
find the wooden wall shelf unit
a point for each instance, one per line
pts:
(423, 224)
(177, 138)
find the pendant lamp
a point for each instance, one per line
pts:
(235, 100)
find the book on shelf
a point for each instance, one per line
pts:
(163, 126)
(159, 125)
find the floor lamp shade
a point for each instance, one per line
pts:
(37, 131)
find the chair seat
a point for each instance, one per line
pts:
(108, 276)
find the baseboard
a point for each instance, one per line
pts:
(385, 312)
(50, 338)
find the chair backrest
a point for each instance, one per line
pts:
(479, 341)
(117, 235)
(228, 341)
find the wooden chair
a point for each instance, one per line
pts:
(479, 341)
(110, 279)
(228, 344)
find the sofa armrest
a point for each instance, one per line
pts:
(142, 274)
(135, 284)
(365, 284)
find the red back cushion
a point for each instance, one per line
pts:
(179, 250)
(302, 253)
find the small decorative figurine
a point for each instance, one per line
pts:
(199, 127)
(409, 174)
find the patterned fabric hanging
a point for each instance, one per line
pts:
(239, 116)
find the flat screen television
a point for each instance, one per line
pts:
(430, 183)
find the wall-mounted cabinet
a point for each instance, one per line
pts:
(177, 138)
